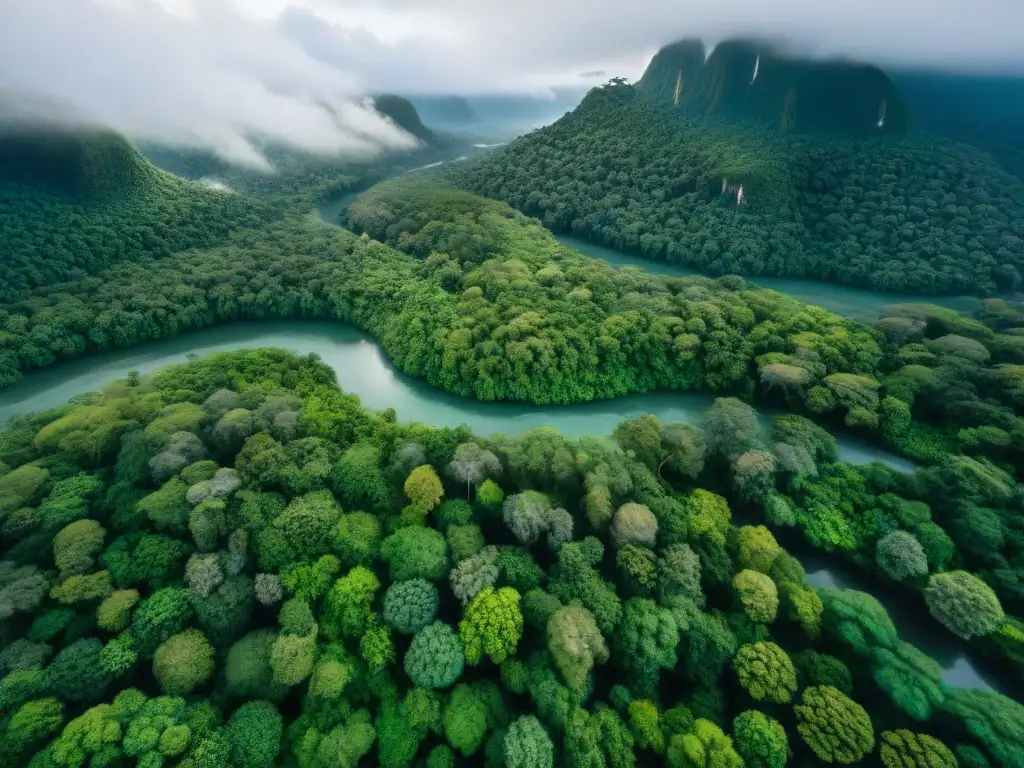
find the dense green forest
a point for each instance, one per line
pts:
(626, 169)
(263, 573)
(74, 204)
(481, 301)
(231, 563)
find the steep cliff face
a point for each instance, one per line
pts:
(83, 163)
(748, 81)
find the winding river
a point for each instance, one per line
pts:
(363, 369)
(854, 303)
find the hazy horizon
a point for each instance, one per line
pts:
(216, 73)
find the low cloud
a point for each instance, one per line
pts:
(216, 79)
(220, 73)
(475, 45)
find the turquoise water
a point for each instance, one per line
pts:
(854, 303)
(363, 369)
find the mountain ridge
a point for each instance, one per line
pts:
(745, 79)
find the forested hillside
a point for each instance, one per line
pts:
(74, 204)
(230, 563)
(633, 171)
(486, 303)
(743, 80)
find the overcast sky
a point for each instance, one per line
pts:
(216, 71)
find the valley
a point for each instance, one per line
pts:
(684, 429)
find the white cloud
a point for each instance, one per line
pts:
(501, 45)
(219, 71)
(208, 76)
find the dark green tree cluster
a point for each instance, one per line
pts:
(625, 169)
(250, 599)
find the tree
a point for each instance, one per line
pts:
(646, 642)
(760, 740)
(158, 729)
(356, 538)
(754, 474)
(758, 595)
(423, 487)
(308, 524)
(183, 662)
(92, 736)
(638, 566)
(464, 541)
(31, 724)
(574, 577)
(472, 575)
(598, 738)
(376, 647)
(857, 621)
(912, 680)
(813, 668)
(766, 672)
(435, 658)
(836, 728)
(162, 614)
(679, 574)
(901, 556)
(254, 734)
(904, 749)
(575, 644)
(348, 607)
(76, 546)
(731, 428)
(359, 476)
(415, 552)
(472, 465)
(167, 508)
(490, 494)
(704, 746)
(492, 624)
(645, 725)
(964, 604)
(411, 605)
(203, 573)
(310, 582)
(527, 515)
(756, 548)
(76, 674)
(247, 670)
(292, 657)
(527, 745)
(709, 515)
(683, 449)
(465, 720)
(634, 524)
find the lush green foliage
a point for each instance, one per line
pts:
(287, 655)
(919, 215)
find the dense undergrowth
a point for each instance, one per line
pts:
(915, 215)
(231, 563)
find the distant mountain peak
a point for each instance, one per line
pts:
(753, 81)
(403, 113)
